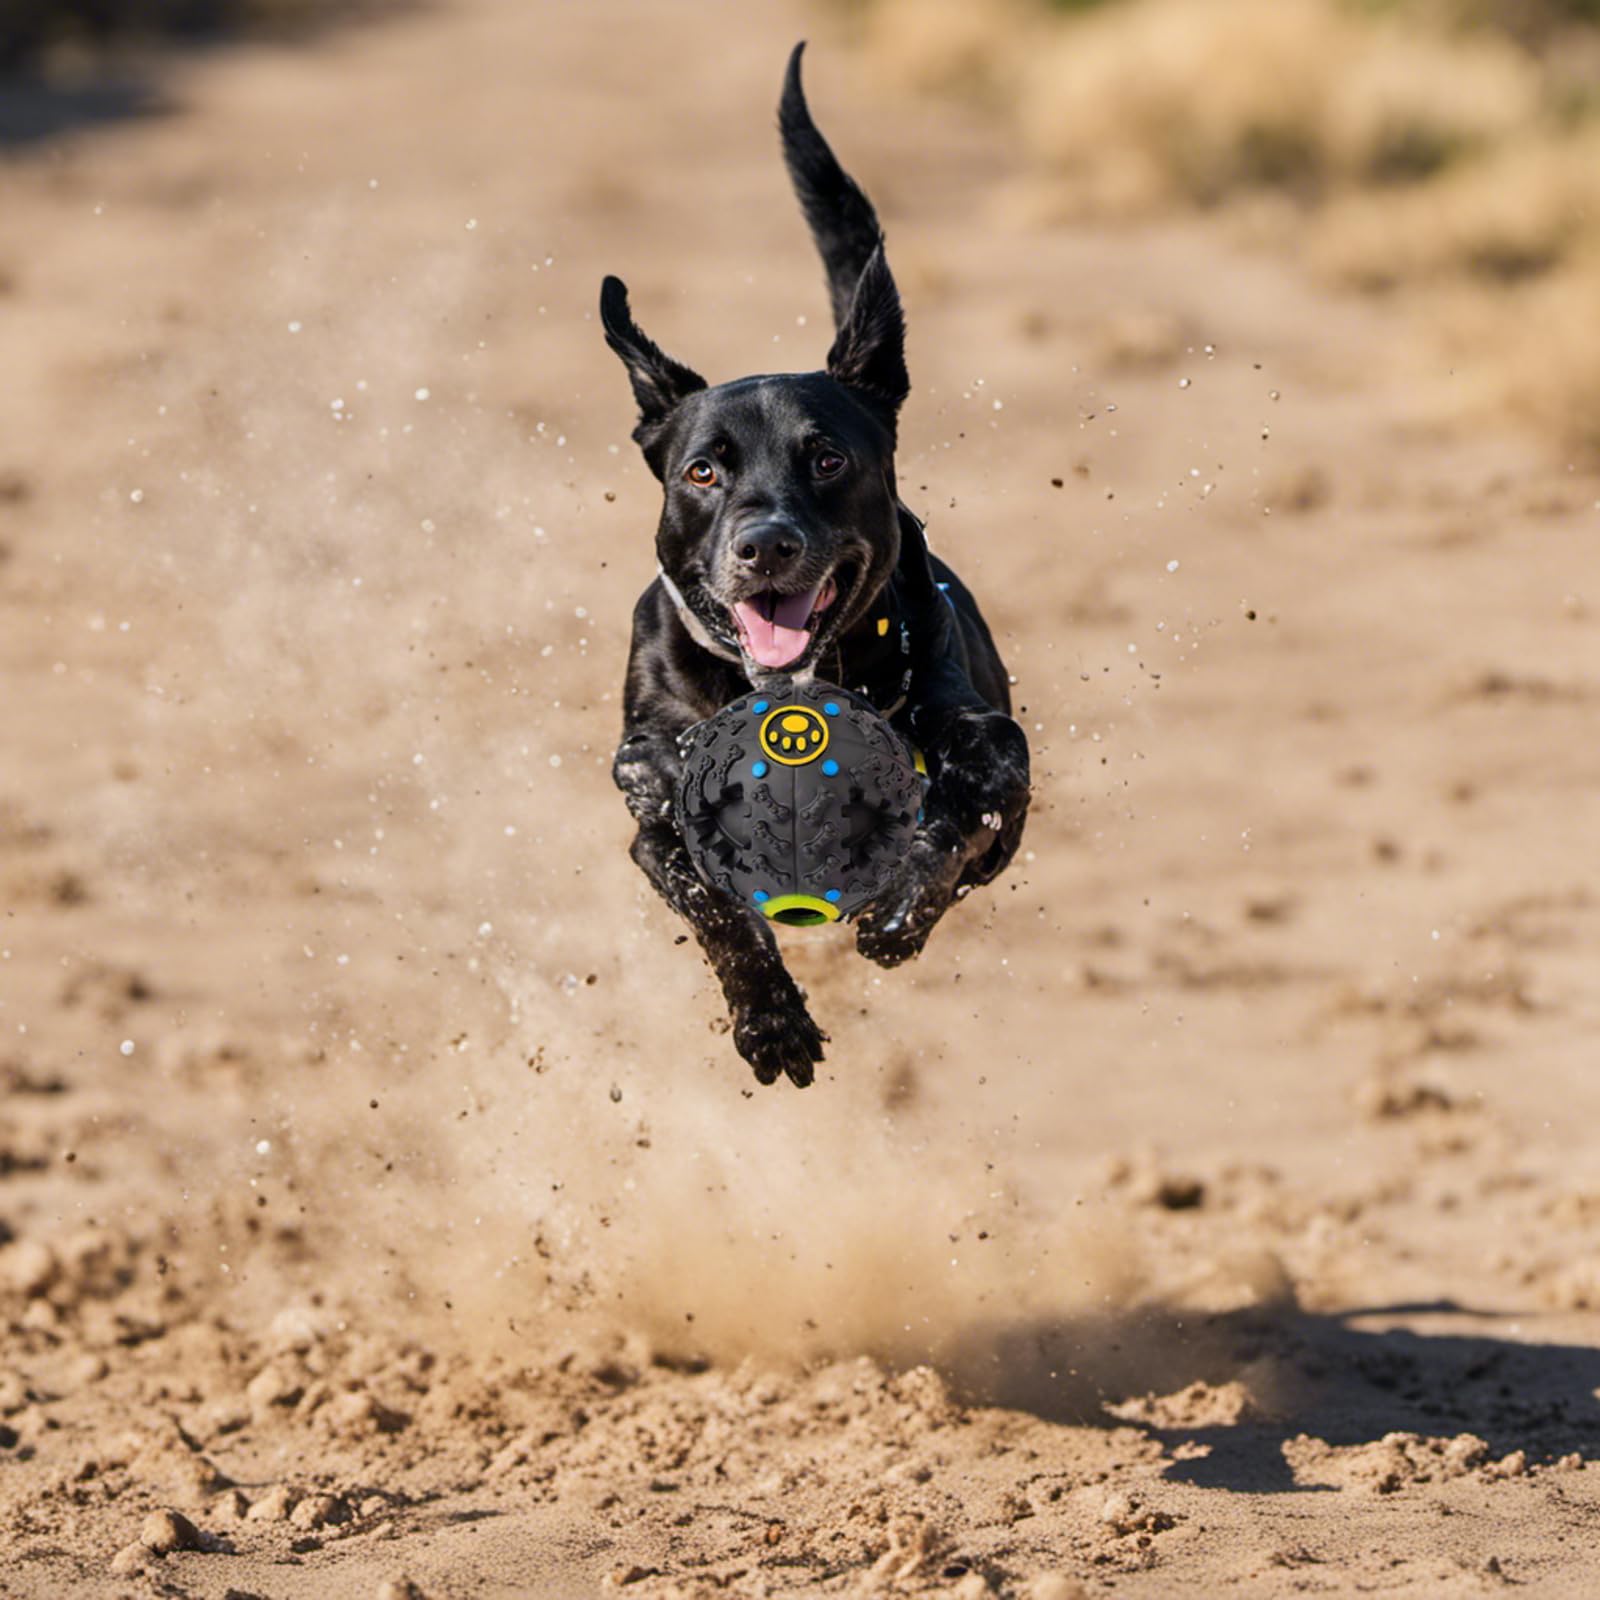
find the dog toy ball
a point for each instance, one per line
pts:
(800, 801)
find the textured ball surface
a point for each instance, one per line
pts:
(801, 802)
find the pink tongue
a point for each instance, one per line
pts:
(777, 642)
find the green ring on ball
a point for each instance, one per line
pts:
(799, 910)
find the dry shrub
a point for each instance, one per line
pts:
(1540, 351)
(1164, 100)
(1533, 21)
(1448, 146)
(1413, 102)
(1514, 215)
(971, 47)
(1161, 101)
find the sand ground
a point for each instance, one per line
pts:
(1215, 1208)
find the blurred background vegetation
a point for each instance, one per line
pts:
(1442, 152)
(1445, 153)
(35, 35)
(66, 64)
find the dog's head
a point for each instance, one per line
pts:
(779, 519)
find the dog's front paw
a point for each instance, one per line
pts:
(895, 927)
(779, 1036)
(891, 940)
(983, 773)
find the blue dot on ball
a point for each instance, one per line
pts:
(831, 707)
(761, 897)
(832, 894)
(830, 766)
(760, 706)
(758, 769)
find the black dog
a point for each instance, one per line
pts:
(784, 548)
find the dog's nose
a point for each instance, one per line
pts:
(768, 548)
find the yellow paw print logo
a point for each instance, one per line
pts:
(794, 735)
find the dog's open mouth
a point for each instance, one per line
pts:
(776, 628)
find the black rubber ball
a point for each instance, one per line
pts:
(801, 802)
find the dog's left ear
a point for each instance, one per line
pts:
(869, 354)
(659, 382)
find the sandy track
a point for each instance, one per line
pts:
(376, 1191)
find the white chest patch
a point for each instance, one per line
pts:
(697, 629)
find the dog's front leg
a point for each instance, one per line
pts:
(973, 817)
(772, 1029)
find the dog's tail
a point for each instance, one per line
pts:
(840, 216)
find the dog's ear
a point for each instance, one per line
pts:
(869, 354)
(841, 218)
(659, 382)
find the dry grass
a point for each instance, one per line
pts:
(1443, 149)
(1151, 103)
(1192, 100)
(1538, 349)
(1519, 213)
(971, 47)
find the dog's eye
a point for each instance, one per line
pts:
(830, 464)
(701, 474)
